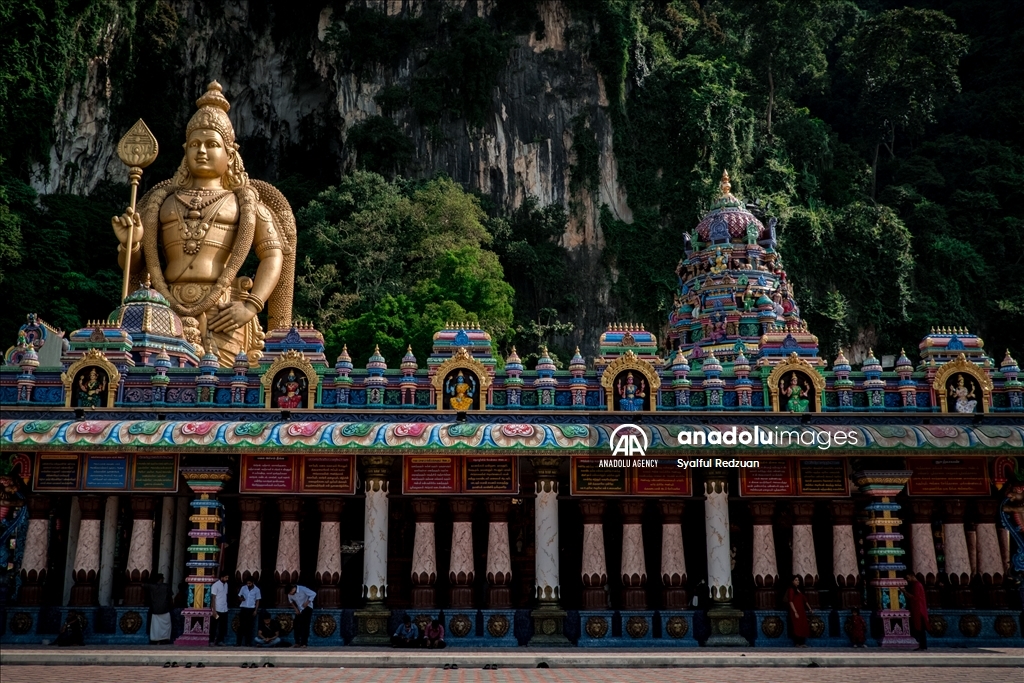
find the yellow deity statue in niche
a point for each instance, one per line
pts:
(196, 230)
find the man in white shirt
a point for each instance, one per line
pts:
(301, 599)
(250, 605)
(219, 603)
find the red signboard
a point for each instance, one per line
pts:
(327, 474)
(772, 477)
(490, 474)
(292, 473)
(822, 477)
(664, 480)
(629, 477)
(436, 474)
(948, 477)
(267, 474)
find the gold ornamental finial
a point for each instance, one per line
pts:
(149, 281)
(725, 184)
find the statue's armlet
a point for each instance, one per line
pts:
(268, 239)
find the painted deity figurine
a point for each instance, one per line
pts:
(631, 397)
(290, 388)
(965, 398)
(90, 391)
(799, 398)
(462, 393)
(192, 235)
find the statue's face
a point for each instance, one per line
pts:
(206, 154)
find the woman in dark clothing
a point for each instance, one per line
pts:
(796, 601)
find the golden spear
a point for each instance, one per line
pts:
(137, 150)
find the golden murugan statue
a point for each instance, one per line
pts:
(210, 215)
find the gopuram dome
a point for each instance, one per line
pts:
(733, 296)
(153, 326)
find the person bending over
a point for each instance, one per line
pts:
(433, 635)
(407, 635)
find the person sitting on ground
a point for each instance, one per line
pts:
(857, 628)
(72, 632)
(269, 632)
(407, 635)
(433, 635)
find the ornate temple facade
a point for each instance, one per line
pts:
(640, 498)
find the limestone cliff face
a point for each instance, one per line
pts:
(283, 86)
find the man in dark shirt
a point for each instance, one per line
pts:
(269, 633)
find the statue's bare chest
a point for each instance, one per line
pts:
(191, 223)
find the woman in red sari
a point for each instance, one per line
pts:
(917, 603)
(799, 626)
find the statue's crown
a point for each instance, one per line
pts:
(213, 113)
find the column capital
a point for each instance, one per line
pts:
(290, 508)
(632, 511)
(842, 512)
(91, 507)
(424, 509)
(921, 510)
(462, 509)
(206, 479)
(39, 507)
(593, 510)
(497, 508)
(955, 508)
(546, 468)
(716, 481)
(803, 511)
(142, 507)
(986, 510)
(330, 509)
(671, 511)
(376, 469)
(762, 511)
(251, 508)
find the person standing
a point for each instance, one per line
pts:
(917, 603)
(301, 599)
(799, 624)
(857, 629)
(250, 605)
(158, 595)
(219, 600)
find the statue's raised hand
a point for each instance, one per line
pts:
(128, 222)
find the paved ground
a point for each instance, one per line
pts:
(134, 674)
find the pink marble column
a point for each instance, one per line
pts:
(673, 559)
(594, 570)
(499, 559)
(424, 555)
(844, 555)
(805, 559)
(140, 550)
(250, 546)
(958, 563)
(35, 561)
(86, 564)
(634, 565)
(990, 563)
(766, 568)
(924, 562)
(286, 569)
(328, 556)
(461, 569)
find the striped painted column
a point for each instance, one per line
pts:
(204, 563)
(885, 562)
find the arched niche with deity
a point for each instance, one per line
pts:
(91, 382)
(962, 387)
(630, 384)
(796, 387)
(290, 382)
(461, 383)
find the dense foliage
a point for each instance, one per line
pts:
(886, 136)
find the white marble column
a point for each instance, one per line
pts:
(286, 568)
(673, 559)
(634, 565)
(35, 561)
(716, 528)
(375, 528)
(328, 556)
(74, 531)
(499, 558)
(844, 555)
(424, 555)
(249, 563)
(182, 525)
(593, 569)
(109, 545)
(461, 567)
(140, 550)
(765, 565)
(546, 531)
(87, 552)
(166, 552)
(805, 559)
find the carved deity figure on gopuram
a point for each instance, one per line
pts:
(196, 230)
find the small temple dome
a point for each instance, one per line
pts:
(344, 361)
(1008, 365)
(578, 363)
(409, 363)
(841, 364)
(544, 363)
(711, 365)
(741, 364)
(728, 218)
(376, 361)
(903, 363)
(147, 311)
(871, 363)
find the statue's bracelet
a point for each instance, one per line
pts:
(135, 247)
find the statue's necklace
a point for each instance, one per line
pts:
(194, 225)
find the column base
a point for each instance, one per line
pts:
(847, 598)
(461, 597)
(549, 626)
(765, 598)
(499, 597)
(423, 597)
(197, 628)
(634, 598)
(595, 598)
(328, 597)
(134, 595)
(83, 595)
(372, 625)
(674, 598)
(896, 629)
(725, 628)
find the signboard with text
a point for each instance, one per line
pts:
(629, 477)
(460, 474)
(293, 473)
(105, 473)
(793, 477)
(948, 477)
